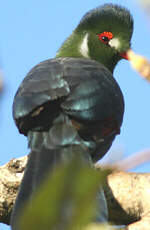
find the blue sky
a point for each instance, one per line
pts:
(32, 31)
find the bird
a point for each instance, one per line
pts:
(72, 103)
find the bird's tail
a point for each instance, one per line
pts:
(47, 150)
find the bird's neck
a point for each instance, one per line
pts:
(75, 46)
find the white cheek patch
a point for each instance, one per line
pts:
(84, 49)
(115, 43)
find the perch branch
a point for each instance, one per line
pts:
(127, 195)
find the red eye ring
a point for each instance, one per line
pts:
(105, 37)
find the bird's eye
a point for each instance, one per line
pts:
(105, 37)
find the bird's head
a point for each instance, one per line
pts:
(103, 34)
(108, 31)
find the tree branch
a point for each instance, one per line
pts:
(128, 200)
(127, 194)
(10, 178)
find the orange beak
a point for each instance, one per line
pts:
(124, 55)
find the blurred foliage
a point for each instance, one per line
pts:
(145, 4)
(66, 200)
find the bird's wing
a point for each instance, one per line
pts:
(96, 95)
(81, 88)
(42, 85)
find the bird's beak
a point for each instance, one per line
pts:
(124, 55)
